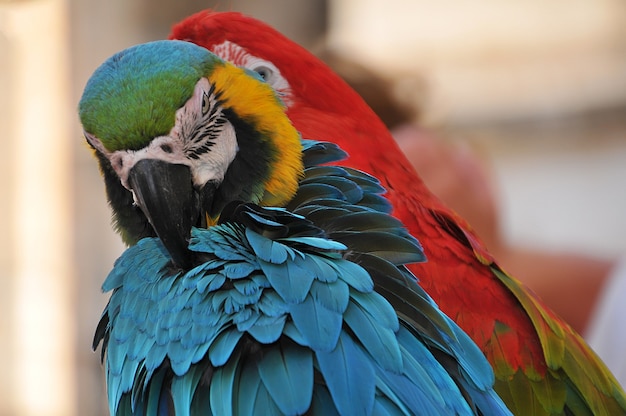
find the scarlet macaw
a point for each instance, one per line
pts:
(257, 281)
(542, 366)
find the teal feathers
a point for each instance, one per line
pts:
(306, 308)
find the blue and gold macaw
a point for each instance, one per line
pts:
(258, 279)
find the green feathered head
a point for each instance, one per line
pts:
(134, 95)
(168, 117)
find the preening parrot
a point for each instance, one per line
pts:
(259, 280)
(542, 366)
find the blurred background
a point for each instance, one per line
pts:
(538, 86)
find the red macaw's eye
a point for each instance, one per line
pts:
(265, 72)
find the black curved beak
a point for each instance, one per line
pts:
(165, 193)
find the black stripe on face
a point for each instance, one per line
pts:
(208, 128)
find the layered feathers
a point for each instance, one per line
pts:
(306, 308)
(542, 366)
(138, 95)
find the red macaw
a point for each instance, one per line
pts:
(542, 366)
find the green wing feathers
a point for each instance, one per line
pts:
(590, 388)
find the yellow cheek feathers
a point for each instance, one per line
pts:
(265, 111)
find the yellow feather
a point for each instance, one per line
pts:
(264, 109)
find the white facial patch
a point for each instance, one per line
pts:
(202, 138)
(209, 139)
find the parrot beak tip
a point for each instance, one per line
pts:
(165, 194)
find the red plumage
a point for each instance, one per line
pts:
(529, 347)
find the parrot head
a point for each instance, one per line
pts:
(179, 133)
(299, 77)
(319, 102)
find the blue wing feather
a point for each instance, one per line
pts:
(333, 295)
(320, 327)
(303, 308)
(287, 374)
(183, 389)
(268, 329)
(222, 386)
(224, 345)
(250, 387)
(289, 280)
(377, 338)
(322, 403)
(253, 395)
(349, 375)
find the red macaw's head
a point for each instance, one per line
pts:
(321, 105)
(294, 72)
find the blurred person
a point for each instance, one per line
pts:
(586, 291)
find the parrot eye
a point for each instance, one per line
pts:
(264, 72)
(205, 104)
(270, 74)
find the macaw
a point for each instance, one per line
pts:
(542, 366)
(258, 279)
